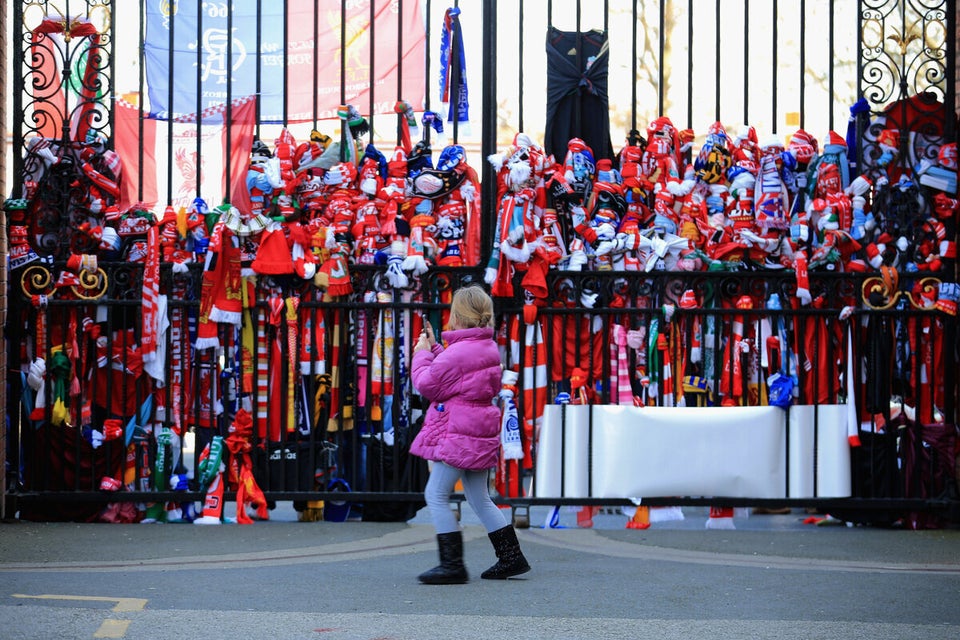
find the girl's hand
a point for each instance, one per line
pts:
(428, 334)
(422, 343)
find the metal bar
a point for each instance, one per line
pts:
(488, 141)
(577, 129)
(372, 73)
(823, 504)
(141, 70)
(803, 59)
(633, 71)
(689, 59)
(399, 69)
(773, 124)
(18, 89)
(520, 66)
(286, 65)
(951, 74)
(830, 77)
(259, 70)
(427, 83)
(316, 62)
(343, 62)
(113, 74)
(229, 111)
(67, 72)
(746, 62)
(716, 77)
(861, 126)
(661, 45)
(199, 102)
(170, 65)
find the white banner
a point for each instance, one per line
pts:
(737, 452)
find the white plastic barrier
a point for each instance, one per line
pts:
(832, 466)
(737, 452)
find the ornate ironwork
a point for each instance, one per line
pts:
(905, 57)
(66, 72)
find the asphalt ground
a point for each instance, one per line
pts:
(772, 576)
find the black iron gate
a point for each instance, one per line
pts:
(289, 355)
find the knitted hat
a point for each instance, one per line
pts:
(835, 139)
(273, 256)
(535, 279)
(803, 146)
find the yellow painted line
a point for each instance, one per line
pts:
(123, 604)
(112, 629)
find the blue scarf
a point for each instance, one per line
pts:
(453, 37)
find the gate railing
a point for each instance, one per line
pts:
(318, 365)
(321, 387)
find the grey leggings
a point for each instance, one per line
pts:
(443, 478)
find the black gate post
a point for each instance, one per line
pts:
(488, 141)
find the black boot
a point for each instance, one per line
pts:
(451, 569)
(510, 559)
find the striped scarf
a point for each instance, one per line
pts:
(381, 360)
(151, 291)
(269, 390)
(533, 362)
(339, 418)
(292, 304)
(619, 366)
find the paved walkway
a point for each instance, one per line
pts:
(771, 577)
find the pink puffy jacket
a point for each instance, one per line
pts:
(462, 425)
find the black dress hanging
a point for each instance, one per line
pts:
(577, 101)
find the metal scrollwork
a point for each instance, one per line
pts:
(36, 280)
(904, 44)
(926, 291)
(92, 285)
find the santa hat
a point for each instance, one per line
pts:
(535, 280)
(273, 256)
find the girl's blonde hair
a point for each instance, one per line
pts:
(471, 307)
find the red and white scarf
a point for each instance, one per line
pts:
(151, 291)
(533, 379)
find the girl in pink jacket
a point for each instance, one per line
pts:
(461, 434)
